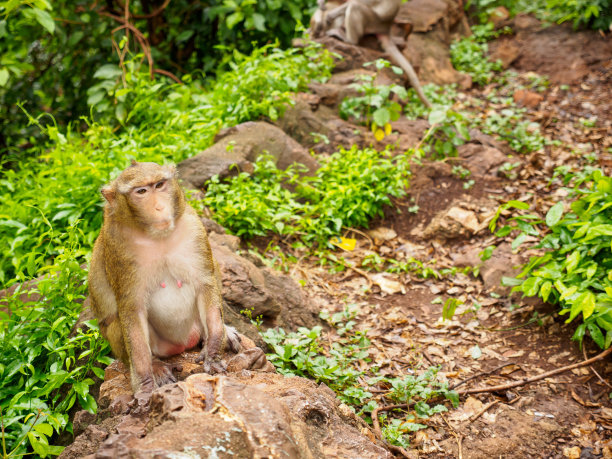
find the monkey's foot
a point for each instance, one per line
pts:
(162, 372)
(337, 33)
(233, 340)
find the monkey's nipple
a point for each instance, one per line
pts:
(179, 283)
(163, 285)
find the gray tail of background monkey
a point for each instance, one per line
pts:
(392, 50)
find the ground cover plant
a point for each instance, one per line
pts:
(574, 269)
(337, 363)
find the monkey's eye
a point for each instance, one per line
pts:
(141, 190)
(158, 185)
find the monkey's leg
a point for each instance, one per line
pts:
(355, 20)
(112, 332)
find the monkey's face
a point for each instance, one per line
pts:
(148, 196)
(153, 205)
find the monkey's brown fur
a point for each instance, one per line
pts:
(362, 17)
(153, 283)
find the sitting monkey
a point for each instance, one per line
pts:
(153, 283)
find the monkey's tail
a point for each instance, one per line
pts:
(392, 50)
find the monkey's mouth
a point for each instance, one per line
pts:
(163, 226)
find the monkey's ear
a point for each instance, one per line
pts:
(170, 171)
(109, 194)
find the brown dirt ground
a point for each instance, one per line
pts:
(568, 415)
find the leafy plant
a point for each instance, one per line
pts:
(469, 55)
(349, 188)
(163, 122)
(574, 270)
(339, 364)
(44, 370)
(376, 107)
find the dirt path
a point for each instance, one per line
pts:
(569, 415)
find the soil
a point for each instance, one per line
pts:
(568, 415)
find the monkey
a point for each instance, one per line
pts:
(154, 285)
(362, 17)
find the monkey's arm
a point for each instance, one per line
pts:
(133, 320)
(210, 306)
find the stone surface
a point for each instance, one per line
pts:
(236, 148)
(242, 415)
(274, 297)
(453, 222)
(527, 98)
(481, 159)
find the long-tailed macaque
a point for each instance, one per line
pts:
(362, 17)
(153, 283)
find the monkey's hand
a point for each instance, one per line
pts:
(212, 364)
(162, 372)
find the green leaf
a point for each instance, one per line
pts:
(107, 72)
(381, 116)
(44, 429)
(596, 334)
(587, 304)
(437, 115)
(44, 19)
(554, 214)
(4, 76)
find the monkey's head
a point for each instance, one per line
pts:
(146, 195)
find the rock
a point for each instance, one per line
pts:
(347, 56)
(453, 223)
(276, 298)
(382, 234)
(241, 415)
(499, 15)
(322, 130)
(212, 226)
(82, 420)
(506, 52)
(422, 14)
(480, 159)
(527, 98)
(238, 147)
(501, 264)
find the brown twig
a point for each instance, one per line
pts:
(484, 410)
(168, 74)
(378, 432)
(457, 436)
(595, 371)
(547, 374)
(478, 375)
(151, 15)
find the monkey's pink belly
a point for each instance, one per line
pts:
(165, 348)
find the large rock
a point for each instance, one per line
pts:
(238, 147)
(321, 128)
(242, 415)
(274, 297)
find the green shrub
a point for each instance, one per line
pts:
(43, 370)
(349, 188)
(574, 270)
